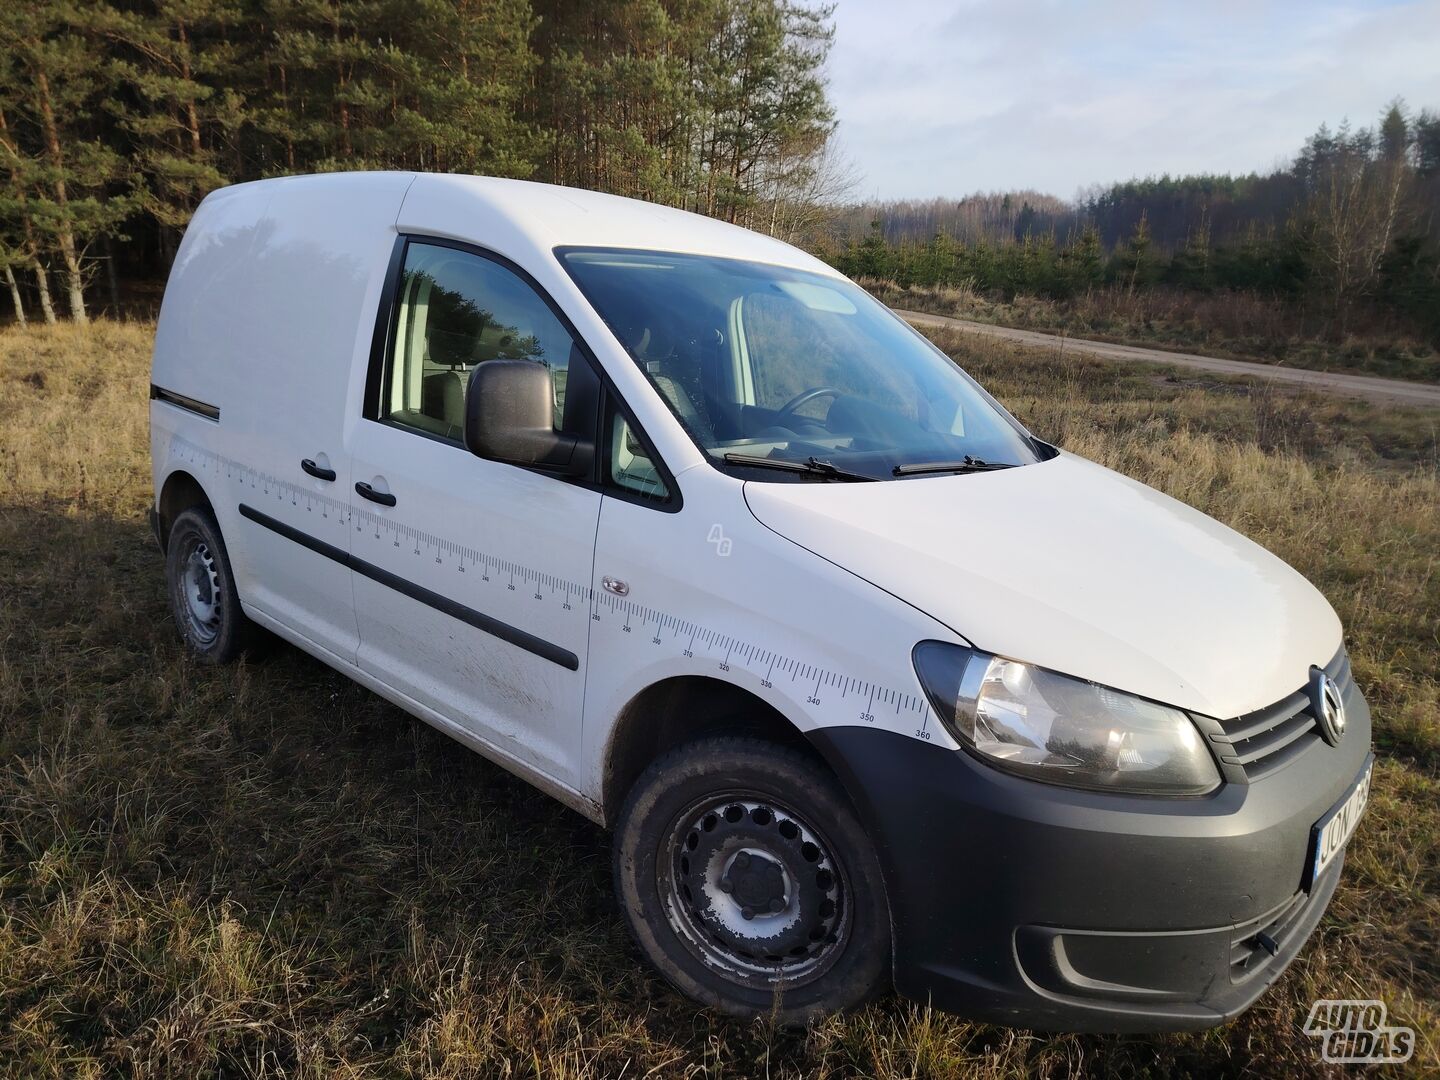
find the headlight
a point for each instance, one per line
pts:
(1066, 731)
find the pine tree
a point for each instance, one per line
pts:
(449, 113)
(872, 257)
(20, 246)
(759, 94)
(615, 94)
(1427, 142)
(1088, 264)
(982, 264)
(14, 286)
(56, 86)
(1394, 132)
(938, 260)
(179, 114)
(1137, 254)
(427, 84)
(1024, 221)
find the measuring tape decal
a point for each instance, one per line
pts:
(842, 698)
(574, 595)
(821, 686)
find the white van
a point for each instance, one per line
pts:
(674, 521)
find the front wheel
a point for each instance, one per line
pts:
(747, 879)
(202, 590)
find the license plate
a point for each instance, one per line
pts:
(1334, 830)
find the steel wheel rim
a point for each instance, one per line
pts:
(778, 867)
(200, 593)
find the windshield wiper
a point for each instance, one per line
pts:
(810, 467)
(967, 464)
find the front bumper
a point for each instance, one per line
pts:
(1037, 906)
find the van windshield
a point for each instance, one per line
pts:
(783, 374)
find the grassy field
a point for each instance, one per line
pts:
(1238, 326)
(266, 870)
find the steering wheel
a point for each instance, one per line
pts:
(802, 399)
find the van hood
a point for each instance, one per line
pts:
(1073, 567)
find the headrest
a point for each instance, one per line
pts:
(450, 348)
(653, 343)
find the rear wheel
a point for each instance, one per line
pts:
(746, 878)
(202, 590)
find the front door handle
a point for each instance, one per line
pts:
(384, 498)
(308, 464)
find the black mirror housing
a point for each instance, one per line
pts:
(509, 417)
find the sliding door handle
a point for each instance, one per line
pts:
(384, 498)
(308, 464)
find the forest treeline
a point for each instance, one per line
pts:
(1352, 224)
(118, 116)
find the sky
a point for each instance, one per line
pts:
(950, 97)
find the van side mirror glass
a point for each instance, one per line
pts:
(510, 415)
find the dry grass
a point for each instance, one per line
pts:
(1241, 326)
(266, 870)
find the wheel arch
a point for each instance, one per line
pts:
(682, 708)
(180, 492)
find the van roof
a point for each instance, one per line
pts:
(546, 216)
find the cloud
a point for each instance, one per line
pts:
(948, 99)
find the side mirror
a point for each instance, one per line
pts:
(510, 417)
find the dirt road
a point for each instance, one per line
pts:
(1370, 387)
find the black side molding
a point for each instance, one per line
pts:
(478, 619)
(189, 404)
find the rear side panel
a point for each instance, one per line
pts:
(206, 318)
(268, 317)
(202, 333)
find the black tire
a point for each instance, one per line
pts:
(201, 584)
(809, 879)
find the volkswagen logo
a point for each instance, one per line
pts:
(1328, 706)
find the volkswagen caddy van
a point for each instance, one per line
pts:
(872, 685)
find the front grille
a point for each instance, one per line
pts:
(1268, 739)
